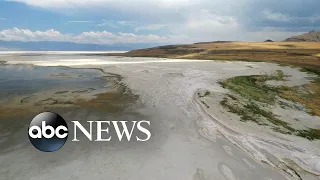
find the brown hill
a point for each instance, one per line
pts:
(305, 54)
(312, 36)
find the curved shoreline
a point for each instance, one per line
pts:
(223, 129)
(231, 135)
(63, 97)
(179, 83)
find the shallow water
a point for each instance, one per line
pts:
(27, 90)
(27, 79)
(18, 158)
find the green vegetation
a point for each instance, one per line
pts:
(207, 93)
(286, 105)
(312, 71)
(253, 99)
(245, 114)
(251, 111)
(310, 133)
(254, 87)
(205, 104)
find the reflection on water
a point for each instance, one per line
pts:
(76, 94)
(26, 90)
(17, 79)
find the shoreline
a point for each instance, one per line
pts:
(63, 97)
(242, 139)
(168, 88)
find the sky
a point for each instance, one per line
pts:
(156, 21)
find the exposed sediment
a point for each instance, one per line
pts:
(180, 119)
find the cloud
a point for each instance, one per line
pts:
(79, 21)
(270, 33)
(109, 23)
(92, 37)
(284, 18)
(3, 19)
(151, 27)
(192, 20)
(124, 22)
(112, 3)
(205, 25)
(291, 15)
(16, 34)
(105, 37)
(275, 16)
(175, 10)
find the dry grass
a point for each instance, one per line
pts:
(259, 45)
(308, 94)
(252, 99)
(109, 101)
(304, 54)
(311, 102)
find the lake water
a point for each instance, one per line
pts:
(27, 79)
(27, 90)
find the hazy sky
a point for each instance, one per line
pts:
(156, 21)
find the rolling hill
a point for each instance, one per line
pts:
(312, 36)
(298, 50)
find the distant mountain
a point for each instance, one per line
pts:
(312, 36)
(68, 46)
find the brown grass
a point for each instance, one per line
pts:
(252, 98)
(260, 45)
(304, 54)
(310, 98)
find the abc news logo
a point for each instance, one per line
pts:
(48, 131)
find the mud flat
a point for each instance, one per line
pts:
(27, 90)
(194, 136)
